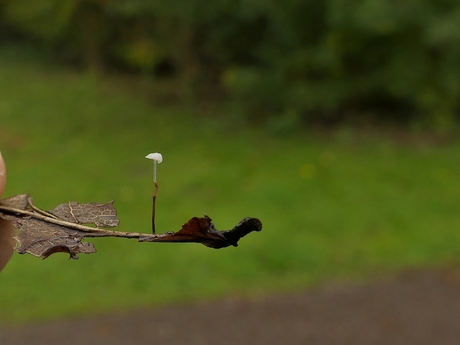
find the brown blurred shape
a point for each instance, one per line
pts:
(7, 231)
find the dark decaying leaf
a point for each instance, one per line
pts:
(243, 228)
(43, 239)
(103, 215)
(195, 230)
(202, 230)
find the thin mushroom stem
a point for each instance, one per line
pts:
(154, 198)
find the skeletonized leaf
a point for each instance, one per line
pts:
(19, 201)
(43, 239)
(102, 215)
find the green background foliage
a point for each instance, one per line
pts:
(293, 60)
(338, 207)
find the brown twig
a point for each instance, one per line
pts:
(88, 230)
(154, 198)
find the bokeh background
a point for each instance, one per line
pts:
(334, 122)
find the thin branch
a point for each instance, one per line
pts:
(36, 209)
(89, 231)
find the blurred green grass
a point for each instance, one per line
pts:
(331, 209)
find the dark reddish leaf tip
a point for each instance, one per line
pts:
(246, 226)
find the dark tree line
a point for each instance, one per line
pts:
(290, 59)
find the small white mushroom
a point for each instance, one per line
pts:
(156, 157)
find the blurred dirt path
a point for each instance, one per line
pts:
(415, 308)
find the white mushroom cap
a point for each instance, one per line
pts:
(155, 156)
